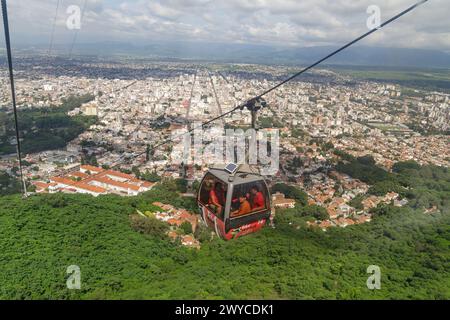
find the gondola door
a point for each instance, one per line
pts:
(249, 209)
(212, 200)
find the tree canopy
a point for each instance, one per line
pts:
(291, 192)
(46, 128)
(122, 256)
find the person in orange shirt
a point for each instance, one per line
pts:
(244, 207)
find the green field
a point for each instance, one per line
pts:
(424, 79)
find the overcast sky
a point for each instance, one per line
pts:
(276, 22)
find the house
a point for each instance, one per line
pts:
(344, 210)
(363, 219)
(89, 189)
(175, 217)
(391, 196)
(167, 207)
(90, 169)
(175, 222)
(431, 210)
(163, 216)
(190, 241)
(172, 235)
(400, 203)
(279, 200)
(344, 222)
(158, 204)
(370, 202)
(78, 175)
(42, 187)
(324, 225)
(332, 212)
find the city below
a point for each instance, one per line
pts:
(130, 105)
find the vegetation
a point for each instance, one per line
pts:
(125, 256)
(356, 202)
(382, 187)
(300, 214)
(364, 169)
(297, 133)
(422, 79)
(270, 122)
(429, 186)
(294, 165)
(202, 233)
(150, 176)
(186, 227)
(291, 192)
(150, 226)
(8, 184)
(181, 185)
(44, 129)
(424, 186)
(90, 159)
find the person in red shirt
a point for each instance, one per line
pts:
(217, 197)
(258, 202)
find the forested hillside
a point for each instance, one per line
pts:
(44, 234)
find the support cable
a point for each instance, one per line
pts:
(13, 93)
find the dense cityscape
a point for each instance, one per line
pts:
(325, 112)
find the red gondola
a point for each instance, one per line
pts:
(234, 201)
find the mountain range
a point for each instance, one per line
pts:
(265, 54)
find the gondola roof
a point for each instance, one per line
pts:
(243, 175)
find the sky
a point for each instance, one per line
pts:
(297, 23)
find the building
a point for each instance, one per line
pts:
(190, 241)
(90, 109)
(175, 216)
(279, 200)
(95, 181)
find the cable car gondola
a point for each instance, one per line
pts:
(234, 201)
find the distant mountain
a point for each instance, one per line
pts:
(247, 53)
(373, 56)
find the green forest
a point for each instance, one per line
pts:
(46, 128)
(44, 234)
(423, 186)
(8, 184)
(417, 78)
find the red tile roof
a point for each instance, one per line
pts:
(41, 185)
(176, 222)
(79, 174)
(63, 180)
(147, 184)
(88, 187)
(100, 175)
(91, 168)
(119, 184)
(120, 175)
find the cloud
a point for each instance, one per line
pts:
(276, 22)
(163, 11)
